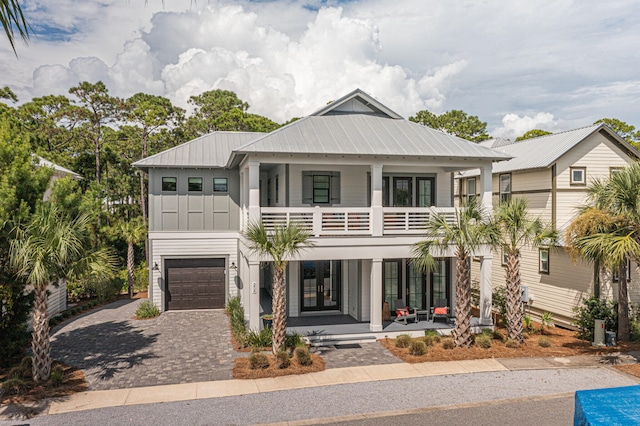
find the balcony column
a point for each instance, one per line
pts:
(375, 322)
(485, 288)
(254, 192)
(377, 214)
(486, 195)
(254, 295)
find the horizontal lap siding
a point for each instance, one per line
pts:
(57, 301)
(353, 184)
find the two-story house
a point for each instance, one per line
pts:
(360, 177)
(552, 172)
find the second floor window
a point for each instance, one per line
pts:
(321, 188)
(505, 188)
(543, 259)
(195, 184)
(220, 185)
(169, 183)
(578, 175)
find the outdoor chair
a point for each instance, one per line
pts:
(403, 312)
(440, 310)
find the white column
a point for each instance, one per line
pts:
(486, 195)
(254, 295)
(254, 192)
(377, 216)
(485, 288)
(375, 322)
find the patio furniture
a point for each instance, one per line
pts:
(425, 312)
(403, 312)
(440, 310)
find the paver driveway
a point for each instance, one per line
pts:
(115, 351)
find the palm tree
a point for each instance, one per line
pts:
(52, 248)
(133, 232)
(11, 17)
(280, 245)
(516, 229)
(468, 232)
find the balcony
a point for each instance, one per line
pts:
(352, 221)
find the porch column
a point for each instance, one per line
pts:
(254, 192)
(377, 216)
(254, 295)
(486, 194)
(485, 288)
(375, 322)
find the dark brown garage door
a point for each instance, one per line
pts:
(195, 283)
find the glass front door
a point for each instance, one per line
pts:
(392, 278)
(425, 191)
(416, 288)
(402, 192)
(440, 282)
(320, 283)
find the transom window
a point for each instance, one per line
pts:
(169, 183)
(505, 188)
(220, 185)
(578, 175)
(195, 184)
(543, 257)
(321, 189)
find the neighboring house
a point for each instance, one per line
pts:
(57, 301)
(552, 172)
(360, 177)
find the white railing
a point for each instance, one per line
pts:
(326, 221)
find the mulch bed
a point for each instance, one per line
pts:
(73, 382)
(563, 343)
(242, 370)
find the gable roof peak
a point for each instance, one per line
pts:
(357, 102)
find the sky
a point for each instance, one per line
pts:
(517, 65)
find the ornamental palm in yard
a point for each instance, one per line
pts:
(280, 245)
(132, 232)
(468, 232)
(52, 248)
(517, 229)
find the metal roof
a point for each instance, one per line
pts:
(366, 134)
(46, 163)
(211, 150)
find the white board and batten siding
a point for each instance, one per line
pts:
(185, 246)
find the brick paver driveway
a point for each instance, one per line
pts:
(115, 351)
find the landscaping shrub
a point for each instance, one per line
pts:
(428, 340)
(546, 321)
(635, 331)
(527, 323)
(434, 335)
(447, 343)
(57, 376)
(258, 360)
(294, 340)
(303, 356)
(147, 310)
(236, 317)
(497, 335)
(13, 386)
(483, 341)
(544, 342)
(591, 310)
(22, 370)
(417, 348)
(403, 341)
(259, 339)
(282, 360)
(512, 343)
(499, 301)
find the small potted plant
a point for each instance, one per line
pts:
(267, 320)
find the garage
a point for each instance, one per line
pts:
(195, 283)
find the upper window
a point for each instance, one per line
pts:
(169, 183)
(220, 185)
(471, 189)
(321, 189)
(614, 170)
(578, 175)
(505, 257)
(195, 184)
(543, 257)
(277, 190)
(616, 274)
(505, 187)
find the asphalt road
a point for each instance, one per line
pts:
(533, 392)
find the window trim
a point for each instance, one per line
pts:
(584, 176)
(328, 189)
(175, 182)
(500, 193)
(189, 184)
(226, 184)
(540, 269)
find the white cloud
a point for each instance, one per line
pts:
(513, 125)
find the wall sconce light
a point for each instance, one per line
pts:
(155, 266)
(233, 266)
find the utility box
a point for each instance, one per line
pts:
(611, 338)
(524, 294)
(598, 333)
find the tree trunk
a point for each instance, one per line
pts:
(463, 337)
(514, 298)
(279, 309)
(623, 304)
(130, 268)
(40, 337)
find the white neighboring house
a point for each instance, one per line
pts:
(57, 301)
(363, 179)
(552, 172)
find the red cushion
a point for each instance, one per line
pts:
(402, 312)
(441, 311)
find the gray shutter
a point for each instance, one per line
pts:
(335, 188)
(307, 188)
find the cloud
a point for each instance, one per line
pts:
(513, 125)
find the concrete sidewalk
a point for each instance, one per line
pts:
(217, 389)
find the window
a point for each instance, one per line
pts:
(616, 274)
(169, 183)
(471, 189)
(505, 257)
(195, 184)
(543, 257)
(277, 190)
(268, 192)
(505, 188)
(614, 170)
(425, 191)
(578, 175)
(321, 189)
(385, 191)
(220, 185)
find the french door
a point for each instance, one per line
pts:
(320, 285)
